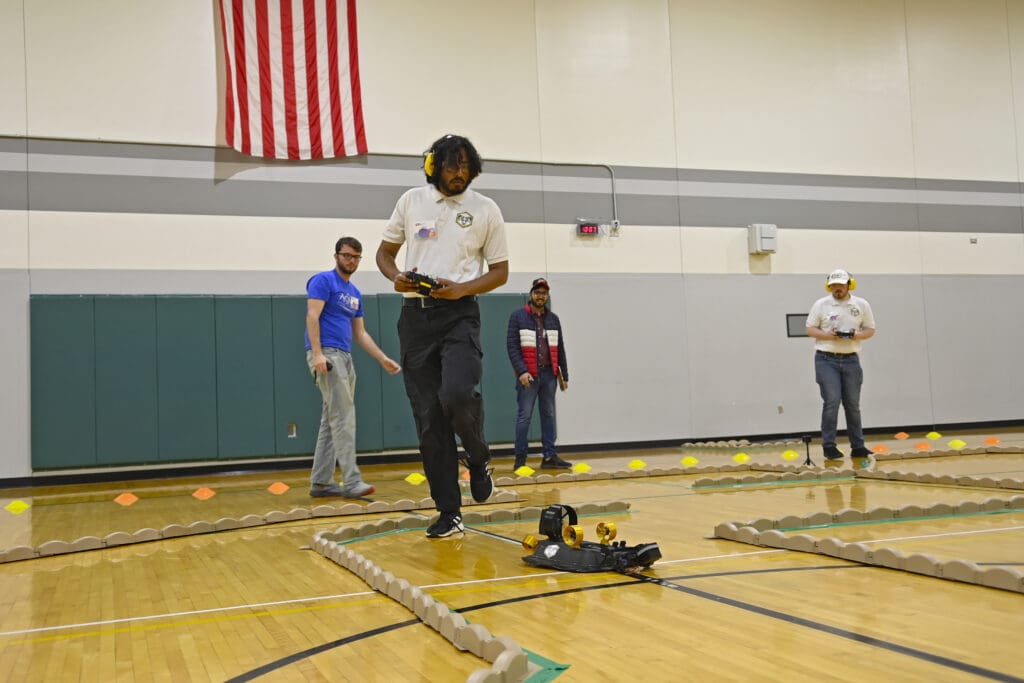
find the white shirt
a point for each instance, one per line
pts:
(448, 237)
(830, 314)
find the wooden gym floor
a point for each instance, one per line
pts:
(256, 603)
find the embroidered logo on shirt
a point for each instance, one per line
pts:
(464, 219)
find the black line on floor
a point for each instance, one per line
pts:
(298, 656)
(633, 579)
(842, 633)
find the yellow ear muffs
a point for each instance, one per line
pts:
(428, 164)
(852, 283)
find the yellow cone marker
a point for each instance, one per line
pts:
(689, 461)
(524, 471)
(957, 444)
(790, 455)
(637, 465)
(415, 479)
(581, 468)
(741, 458)
(933, 436)
(16, 507)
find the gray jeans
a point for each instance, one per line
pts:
(336, 440)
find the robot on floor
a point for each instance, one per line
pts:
(565, 550)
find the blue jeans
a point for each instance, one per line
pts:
(336, 440)
(545, 387)
(839, 377)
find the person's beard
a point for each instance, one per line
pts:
(448, 190)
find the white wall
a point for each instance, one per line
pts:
(925, 88)
(917, 89)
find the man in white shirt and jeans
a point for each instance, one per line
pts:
(839, 323)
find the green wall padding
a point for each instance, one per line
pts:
(398, 427)
(186, 358)
(130, 380)
(63, 382)
(245, 377)
(126, 393)
(370, 382)
(296, 398)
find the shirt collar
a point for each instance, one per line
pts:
(439, 196)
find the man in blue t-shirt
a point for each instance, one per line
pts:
(334, 317)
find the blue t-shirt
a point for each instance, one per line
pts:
(342, 302)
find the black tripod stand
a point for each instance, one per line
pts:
(807, 445)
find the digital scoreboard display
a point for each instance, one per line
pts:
(588, 228)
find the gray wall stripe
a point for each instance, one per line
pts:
(13, 191)
(117, 178)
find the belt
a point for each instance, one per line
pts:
(428, 302)
(829, 354)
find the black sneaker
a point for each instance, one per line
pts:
(480, 484)
(519, 463)
(832, 453)
(860, 452)
(447, 524)
(554, 463)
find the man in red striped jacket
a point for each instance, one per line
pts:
(536, 347)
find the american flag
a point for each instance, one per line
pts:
(292, 76)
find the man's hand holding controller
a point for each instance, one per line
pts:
(424, 283)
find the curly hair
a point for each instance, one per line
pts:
(446, 150)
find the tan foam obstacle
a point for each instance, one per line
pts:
(509, 663)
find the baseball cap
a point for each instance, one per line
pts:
(540, 283)
(837, 277)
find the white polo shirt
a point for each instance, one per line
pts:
(853, 313)
(448, 237)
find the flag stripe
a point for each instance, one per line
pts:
(276, 76)
(263, 57)
(292, 78)
(332, 67)
(299, 60)
(288, 80)
(323, 90)
(356, 99)
(242, 95)
(312, 85)
(229, 93)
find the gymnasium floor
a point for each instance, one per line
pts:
(202, 601)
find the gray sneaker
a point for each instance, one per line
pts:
(359, 490)
(331, 490)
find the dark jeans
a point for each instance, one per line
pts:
(839, 377)
(544, 387)
(442, 363)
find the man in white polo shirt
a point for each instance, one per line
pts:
(456, 237)
(839, 323)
